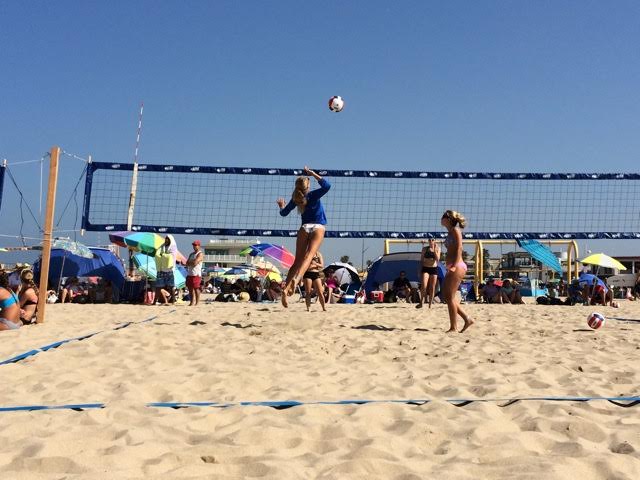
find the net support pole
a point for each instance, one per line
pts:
(132, 204)
(132, 196)
(48, 231)
(82, 230)
(477, 268)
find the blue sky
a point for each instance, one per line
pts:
(500, 85)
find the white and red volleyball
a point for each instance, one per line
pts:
(595, 320)
(336, 104)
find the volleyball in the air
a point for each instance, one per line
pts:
(336, 104)
(595, 320)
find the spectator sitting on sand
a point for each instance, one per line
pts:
(254, 287)
(402, 287)
(636, 287)
(9, 306)
(511, 292)
(273, 290)
(28, 298)
(492, 293)
(600, 294)
(70, 290)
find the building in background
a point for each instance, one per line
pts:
(225, 252)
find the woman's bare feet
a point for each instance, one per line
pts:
(451, 330)
(467, 324)
(283, 300)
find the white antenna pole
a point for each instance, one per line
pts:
(134, 177)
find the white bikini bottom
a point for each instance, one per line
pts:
(312, 227)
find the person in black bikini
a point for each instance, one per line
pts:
(313, 279)
(429, 259)
(28, 298)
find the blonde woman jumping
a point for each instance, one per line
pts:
(311, 232)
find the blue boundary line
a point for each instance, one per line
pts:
(79, 407)
(57, 344)
(623, 402)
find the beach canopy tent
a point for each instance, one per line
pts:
(103, 264)
(388, 267)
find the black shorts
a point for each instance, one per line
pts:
(312, 275)
(430, 270)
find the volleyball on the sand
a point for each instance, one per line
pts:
(595, 320)
(336, 104)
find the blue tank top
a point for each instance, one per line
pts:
(313, 210)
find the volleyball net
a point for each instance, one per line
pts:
(241, 201)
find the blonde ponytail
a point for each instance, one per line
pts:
(299, 195)
(459, 219)
(456, 218)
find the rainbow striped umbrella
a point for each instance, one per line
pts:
(274, 252)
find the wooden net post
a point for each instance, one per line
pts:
(48, 232)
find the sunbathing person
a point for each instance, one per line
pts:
(9, 306)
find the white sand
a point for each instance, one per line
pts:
(293, 355)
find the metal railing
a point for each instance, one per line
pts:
(225, 258)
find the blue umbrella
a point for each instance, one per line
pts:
(235, 271)
(587, 278)
(541, 253)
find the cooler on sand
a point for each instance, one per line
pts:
(376, 296)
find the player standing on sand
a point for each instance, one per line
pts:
(456, 268)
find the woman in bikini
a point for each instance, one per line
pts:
(313, 280)
(9, 306)
(311, 232)
(456, 269)
(28, 298)
(430, 257)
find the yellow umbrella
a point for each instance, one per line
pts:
(602, 260)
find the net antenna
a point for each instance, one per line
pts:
(134, 176)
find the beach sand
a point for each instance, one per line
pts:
(254, 352)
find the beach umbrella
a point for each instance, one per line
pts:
(344, 271)
(271, 274)
(75, 248)
(144, 242)
(235, 271)
(588, 278)
(275, 252)
(147, 265)
(602, 260)
(215, 270)
(117, 238)
(541, 253)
